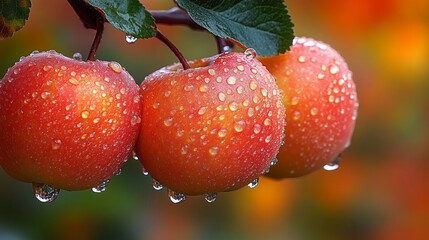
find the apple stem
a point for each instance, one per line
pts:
(223, 45)
(173, 48)
(97, 39)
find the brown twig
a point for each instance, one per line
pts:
(173, 48)
(97, 40)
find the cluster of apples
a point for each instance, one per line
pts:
(217, 126)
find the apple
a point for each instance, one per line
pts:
(214, 127)
(321, 106)
(66, 124)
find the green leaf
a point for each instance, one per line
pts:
(13, 14)
(263, 25)
(129, 16)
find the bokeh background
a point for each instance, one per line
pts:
(380, 191)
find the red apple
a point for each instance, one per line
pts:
(211, 128)
(65, 123)
(321, 106)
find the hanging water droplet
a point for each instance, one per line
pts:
(119, 172)
(77, 56)
(45, 193)
(210, 197)
(176, 197)
(250, 53)
(226, 48)
(34, 52)
(253, 183)
(274, 162)
(130, 38)
(134, 156)
(102, 187)
(333, 165)
(144, 171)
(156, 185)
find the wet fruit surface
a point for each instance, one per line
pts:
(66, 123)
(321, 106)
(214, 127)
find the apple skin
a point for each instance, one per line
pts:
(66, 123)
(214, 127)
(321, 106)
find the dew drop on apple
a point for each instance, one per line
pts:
(134, 155)
(210, 197)
(130, 39)
(176, 197)
(77, 56)
(144, 171)
(253, 183)
(34, 52)
(45, 193)
(116, 67)
(56, 144)
(119, 172)
(250, 53)
(102, 187)
(156, 185)
(333, 165)
(274, 162)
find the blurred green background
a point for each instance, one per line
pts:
(380, 191)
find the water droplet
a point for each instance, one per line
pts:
(176, 197)
(156, 185)
(333, 69)
(74, 81)
(239, 126)
(45, 193)
(85, 114)
(102, 187)
(77, 56)
(250, 112)
(267, 121)
(47, 68)
(301, 59)
(204, 88)
(45, 95)
(294, 100)
(134, 156)
(213, 150)
(253, 183)
(212, 72)
(188, 87)
(231, 80)
(333, 165)
(56, 144)
(130, 39)
(202, 110)
(168, 122)
(314, 111)
(222, 96)
(144, 171)
(253, 85)
(250, 53)
(119, 172)
(222, 132)
(274, 162)
(34, 52)
(268, 139)
(257, 128)
(296, 115)
(210, 197)
(233, 106)
(116, 67)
